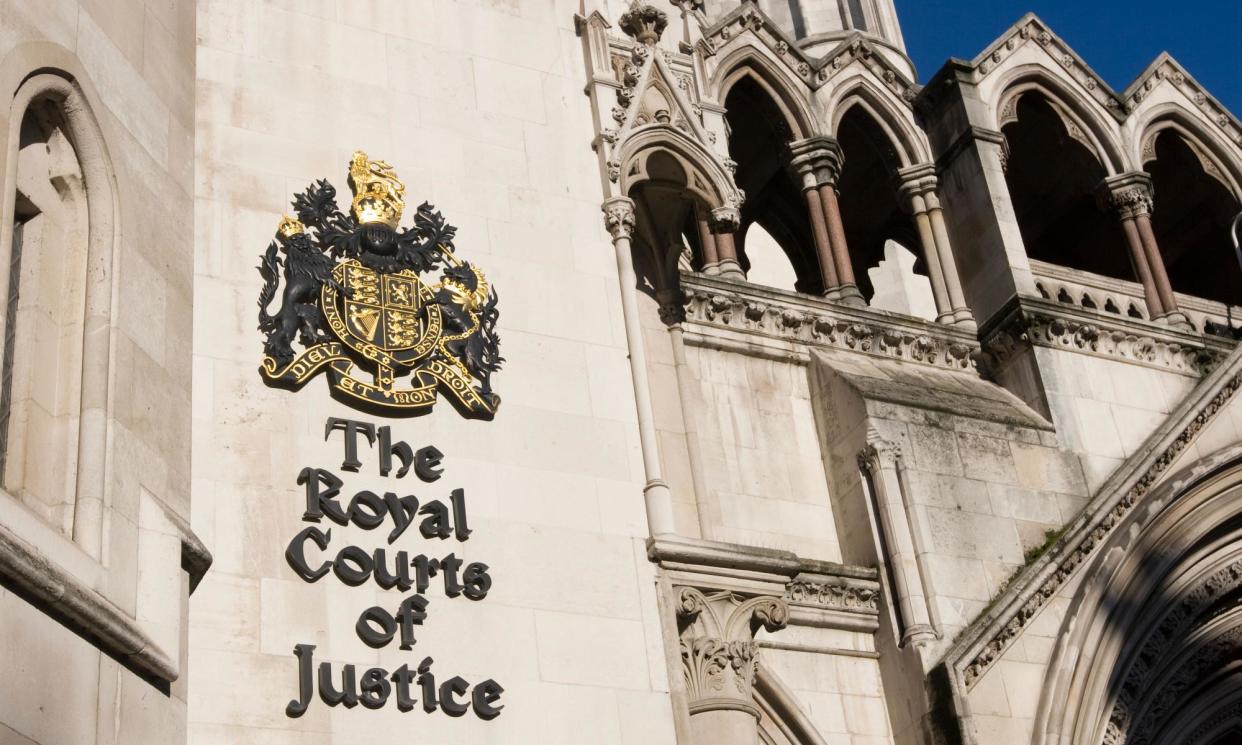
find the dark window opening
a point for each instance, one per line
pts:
(1192, 218)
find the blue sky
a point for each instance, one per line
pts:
(1117, 38)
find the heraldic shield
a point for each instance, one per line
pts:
(355, 301)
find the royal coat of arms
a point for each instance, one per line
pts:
(355, 301)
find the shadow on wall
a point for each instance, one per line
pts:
(1152, 649)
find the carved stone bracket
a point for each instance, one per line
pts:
(619, 217)
(816, 161)
(1129, 195)
(718, 303)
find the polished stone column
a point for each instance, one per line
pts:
(619, 219)
(811, 166)
(840, 250)
(948, 264)
(724, 223)
(711, 259)
(912, 188)
(817, 163)
(1129, 195)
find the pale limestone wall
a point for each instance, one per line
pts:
(980, 493)
(1005, 700)
(1105, 408)
(479, 107)
(765, 478)
(842, 693)
(134, 65)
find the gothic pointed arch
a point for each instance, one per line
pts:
(1079, 114)
(889, 112)
(672, 179)
(759, 134)
(872, 209)
(785, 91)
(1196, 200)
(1216, 158)
(1054, 174)
(1147, 652)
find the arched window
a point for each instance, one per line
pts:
(1054, 181)
(759, 137)
(1192, 214)
(871, 209)
(54, 370)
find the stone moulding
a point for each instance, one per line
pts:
(1026, 322)
(813, 71)
(839, 594)
(978, 649)
(57, 592)
(820, 593)
(714, 304)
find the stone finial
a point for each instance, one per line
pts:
(643, 22)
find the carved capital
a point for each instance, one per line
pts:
(619, 216)
(643, 22)
(725, 219)
(917, 186)
(1128, 195)
(878, 454)
(718, 651)
(816, 161)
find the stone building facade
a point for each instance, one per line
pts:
(836, 408)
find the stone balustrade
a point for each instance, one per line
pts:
(1124, 299)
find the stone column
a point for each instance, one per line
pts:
(879, 460)
(707, 240)
(980, 218)
(817, 161)
(724, 223)
(719, 658)
(1131, 196)
(912, 187)
(809, 162)
(840, 251)
(948, 264)
(619, 218)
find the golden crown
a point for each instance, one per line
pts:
(379, 196)
(290, 226)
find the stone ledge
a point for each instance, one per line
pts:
(821, 593)
(1026, 321)
(728, 311)
(44, 583)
